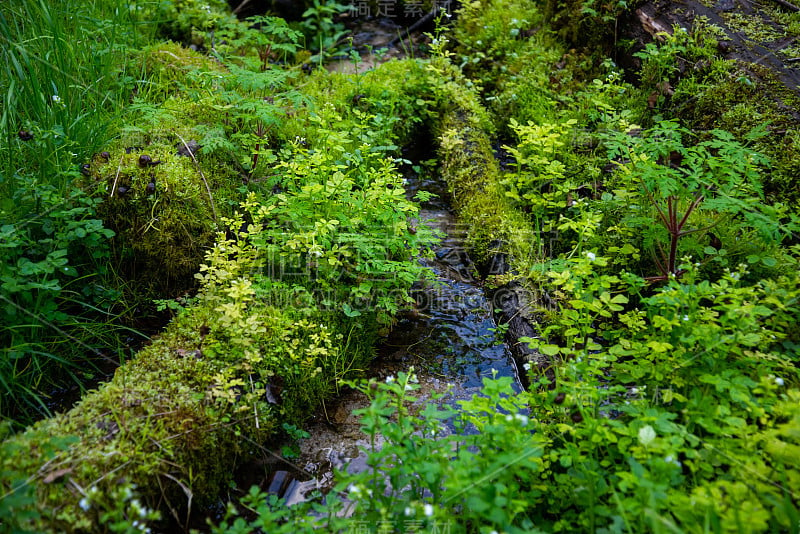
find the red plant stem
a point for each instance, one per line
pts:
(689, 211)
(658, 208)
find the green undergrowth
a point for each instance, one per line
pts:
(286, 185)
(65, 67)
(667, 248)
(686, 77)
(670, 254)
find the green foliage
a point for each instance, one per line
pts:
(51, 292)
(634, 433)
(58, 296)
(676, 195)
(422, 471)
(323, 33)
(184, 21)
(421, 475)
(644, 411)
(259, 40)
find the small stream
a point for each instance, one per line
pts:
(449, 340)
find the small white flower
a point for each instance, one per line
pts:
(591, 256)
(779, 381)
(634, 391)
(685, 317)
(390, 379)
(84, 504)
(408, 387)
(428, 510)
(522, 419)
(409, 511)
(56, 99)
(509, 418)
(670, 460)
(526, 366)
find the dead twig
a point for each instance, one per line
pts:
(203, 176)
(116, 177)
(240, 7)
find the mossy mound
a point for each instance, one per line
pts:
(161, 211)
(169, 67)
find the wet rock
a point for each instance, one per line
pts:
(725, 5)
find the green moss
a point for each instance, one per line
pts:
(472, 174)
(163, 216)
(746, 97)
(150, 425)
(756, 28)
(170, 68)
(252, 351)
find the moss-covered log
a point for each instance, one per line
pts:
(500, 238)
(169, 429)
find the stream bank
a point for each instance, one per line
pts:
(450, 341)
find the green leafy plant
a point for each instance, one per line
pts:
(709, 190)
(323, 32)
(59, 296)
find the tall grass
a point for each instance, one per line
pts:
(65, 76)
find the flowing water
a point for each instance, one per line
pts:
(449, 339)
